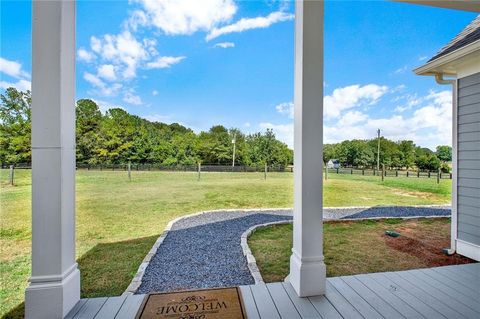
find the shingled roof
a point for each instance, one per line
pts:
(469, 35)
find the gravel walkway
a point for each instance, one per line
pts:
(204, 251)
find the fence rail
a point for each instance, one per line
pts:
(244, 168)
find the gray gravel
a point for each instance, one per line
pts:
(204, 251)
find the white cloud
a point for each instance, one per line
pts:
(154, 92)
(123, 50)
(184, 17)
(247, 124)
(250, 23)
(422, 58)
(107, 72)
(224, 45)
(158, 118)
(20, 85)
(401, 70)
(285, 108)
(101, 87)
(429, 125)
(164, 62)
(131, 98)
(104, 106)
(352, 96)
(13, 69)
(284, 132)
(85, 55)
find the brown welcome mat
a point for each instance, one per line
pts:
(224, 303)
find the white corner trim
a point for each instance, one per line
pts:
(468, 249)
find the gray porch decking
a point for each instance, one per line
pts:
(441, 292)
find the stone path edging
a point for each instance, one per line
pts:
(137, 280)
(251, 261)
(252, 265)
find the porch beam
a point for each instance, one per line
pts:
(307, 268)
(54, 286)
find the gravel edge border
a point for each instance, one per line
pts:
(252, 265)
(137, 280)
(252, 262)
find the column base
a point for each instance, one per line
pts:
(52, 297)
(307, 276)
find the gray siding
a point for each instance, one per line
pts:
(469, 159)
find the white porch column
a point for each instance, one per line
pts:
(55, 282)
(307, 269)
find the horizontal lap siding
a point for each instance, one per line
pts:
(469, 159)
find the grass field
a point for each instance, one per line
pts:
(360, 247)
(118, 221)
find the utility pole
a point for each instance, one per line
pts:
(378, 151)
(234, 144)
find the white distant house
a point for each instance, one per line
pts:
(458, 64)
(333, 163)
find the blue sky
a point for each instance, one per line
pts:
(202, 63)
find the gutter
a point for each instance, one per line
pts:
(454, 219)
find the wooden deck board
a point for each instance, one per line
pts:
(111, 307)
(459, 276)
(438, 294)
(436, 304)
(465, 299)
(282, 301)
(383, 307)
(303, 305)
(362, 306)
(404, 294)
(393, 299)
(91, 308)
(249, 303)
(265, 305)
(442, 292)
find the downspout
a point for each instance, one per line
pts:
(454, 219)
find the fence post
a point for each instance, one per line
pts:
(418, 173)
(351, 171)
(337, 170)
(428, 174)
(374, 173)
(11, 176)
(450, 175)
(199, 169)
(266, 168)
(438, 176)
(383, 172)
(129, 171)
(363, 171)
(326, 172)
(407, 172)
(396, 173)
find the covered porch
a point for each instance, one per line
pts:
(441, 292)
(54, 289)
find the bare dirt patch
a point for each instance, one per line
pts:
(429, 249)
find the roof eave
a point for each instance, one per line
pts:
(436, 66)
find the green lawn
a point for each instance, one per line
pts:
(347, 245)
(118, 221)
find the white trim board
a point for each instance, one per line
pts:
(468, 250)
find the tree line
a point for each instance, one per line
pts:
(118, 137)
(394, 155)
